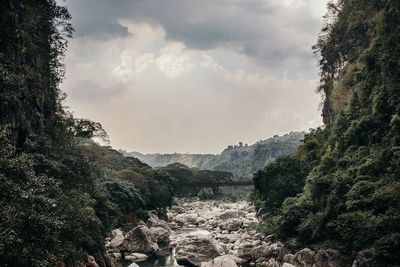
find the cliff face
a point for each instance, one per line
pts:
(342, 45)
(30, 49)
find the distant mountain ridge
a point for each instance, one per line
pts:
(242, 160)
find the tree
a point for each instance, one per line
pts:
(85, 128)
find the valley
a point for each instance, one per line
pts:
(242, 160)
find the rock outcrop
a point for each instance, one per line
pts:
(197, 248)
(140, 239)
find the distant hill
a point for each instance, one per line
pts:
(241, 160)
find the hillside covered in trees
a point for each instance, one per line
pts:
(59, 191)
(341, 189)
(241, 160)
(190, 181)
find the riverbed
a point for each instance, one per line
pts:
(210, 234)
(213, 227)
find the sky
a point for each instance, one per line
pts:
(192, 76)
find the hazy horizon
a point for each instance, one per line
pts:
(217, 153)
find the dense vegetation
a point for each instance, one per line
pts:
(190, 181)
(240, 160)
(351, 168)
(59, 192)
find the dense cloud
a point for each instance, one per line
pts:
(269, 31)
(189, 75)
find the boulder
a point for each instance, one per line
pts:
(201, 220)
(269, 263)
(273, 263)
(229, 214)
(239, 261)
(186, 218)
(154, 221)
(197, 248)
(140, 239)
(232, 225)
(164, 224)
(233, 238)
(256, 243)
(277, 249)
(133, 265)
(213, 223)
(173, 225)
(328, 258)
(222, 261)
(161, 234)
(136, 257)
(244, 250)
(289, 258)
(287, 265)
(363, 258)
(308, 258)
(117, 238)
(304, 258)
(261, 260)
(178, 209)
(261, 251)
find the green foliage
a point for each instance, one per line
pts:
(85, 128)
(59, 191)
(153, 188)
(189, 181)
(350, 199)
(286, 176)
(37, 213)
(281, 179)
(27, 212)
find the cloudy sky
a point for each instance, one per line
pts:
(194, 76)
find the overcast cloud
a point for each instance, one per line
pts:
(194, 76)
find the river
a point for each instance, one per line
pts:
(213, 227)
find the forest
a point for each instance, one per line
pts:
(341, 188)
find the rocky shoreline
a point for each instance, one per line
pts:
(220, 237)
